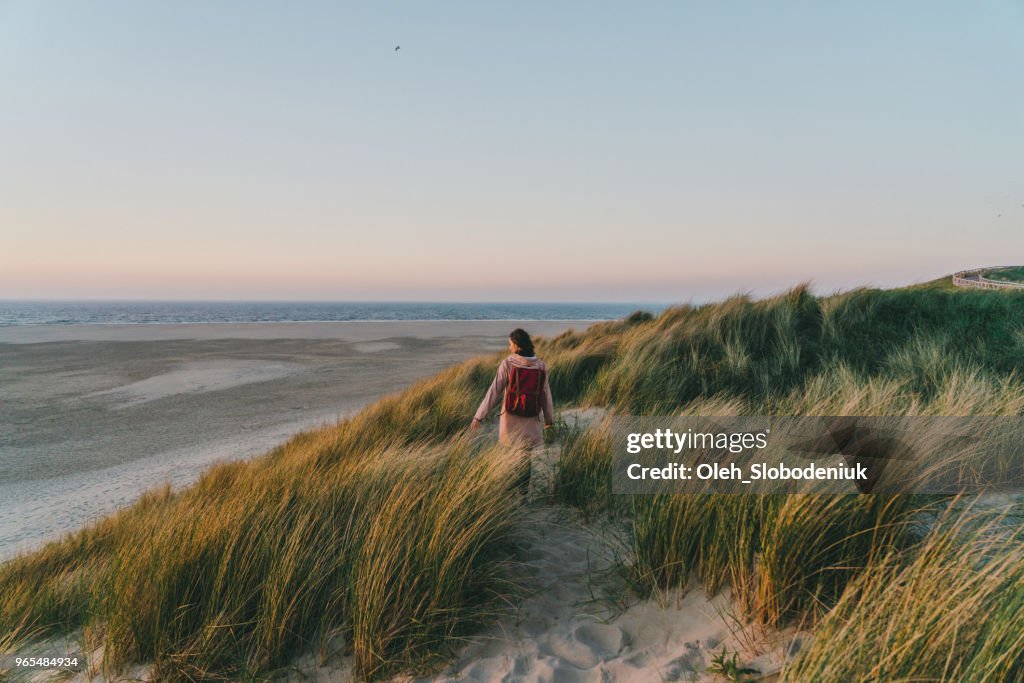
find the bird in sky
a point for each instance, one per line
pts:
(397, 48)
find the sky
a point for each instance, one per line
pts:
(528, 151)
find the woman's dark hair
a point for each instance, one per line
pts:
(521, 339)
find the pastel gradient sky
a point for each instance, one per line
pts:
(655, 151)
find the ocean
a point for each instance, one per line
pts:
(166, 312)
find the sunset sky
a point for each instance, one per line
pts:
(657, 151)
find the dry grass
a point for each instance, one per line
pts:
(398, 548)
(951, 609)
(392, 530)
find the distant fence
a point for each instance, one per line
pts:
(975, 278)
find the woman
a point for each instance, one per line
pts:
(521, 386)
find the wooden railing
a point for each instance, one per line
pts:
(976, 278)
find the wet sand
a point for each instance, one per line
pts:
(92, 415)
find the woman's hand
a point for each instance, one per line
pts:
(475, 424)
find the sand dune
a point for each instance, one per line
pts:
(575, 620)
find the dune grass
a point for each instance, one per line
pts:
(792, 558)
(952, 609)
(390, 530)
(399, 551)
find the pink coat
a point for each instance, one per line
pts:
(512, 428)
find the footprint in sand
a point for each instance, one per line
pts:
(567, 650)
(604, 640)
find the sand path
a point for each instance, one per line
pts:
(578, 623)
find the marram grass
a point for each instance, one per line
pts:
(400, 550)
(949, 609)
(391, 531)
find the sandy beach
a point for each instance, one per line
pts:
(92, 415)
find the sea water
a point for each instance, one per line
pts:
(156, 312)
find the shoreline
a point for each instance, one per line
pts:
(349, 330)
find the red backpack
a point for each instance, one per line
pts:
(522, 397)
